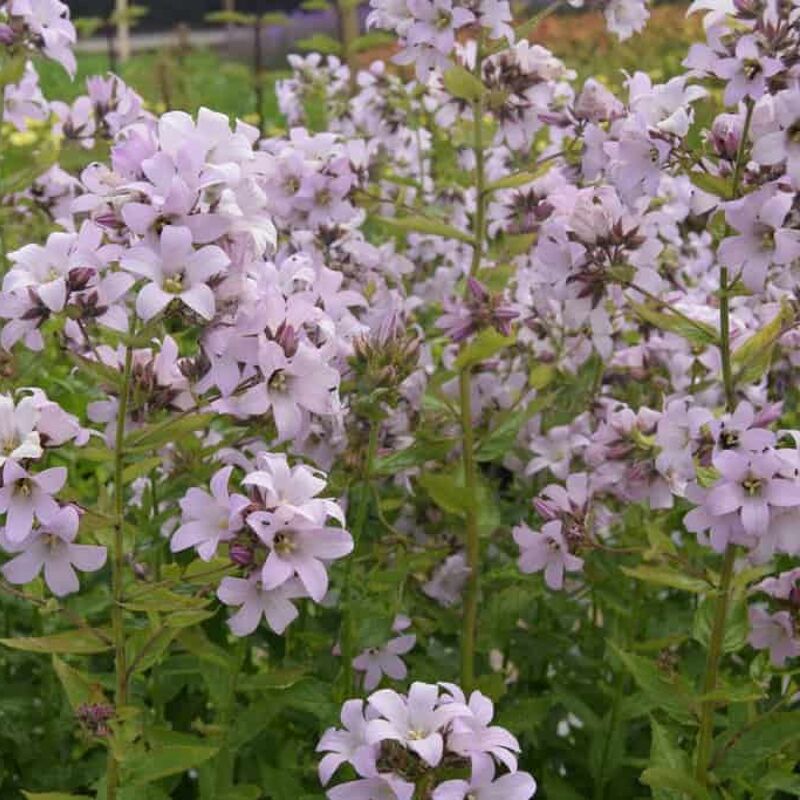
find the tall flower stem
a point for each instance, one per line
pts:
(705, 734)
(118, 568)
(469, 627)
(357, 532)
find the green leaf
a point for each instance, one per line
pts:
(677, 780)
(753, 358)
(665, 753)
(670, 693)
(245, 792)
(419, 453)
(170, 430)
(161, 762)
(737, 626)
(517, 179)
(486, 344)
(666, 576)
(100, 373)
(447, 491)
(77, 642)
(757, 742)
(502, 438)
(162, 599)
(417, 224)
(139, 468)
(699, 333)
(542, 375)
(186, 619)
(461, 83)
(53, 796)
(713, 184)
(77, 686)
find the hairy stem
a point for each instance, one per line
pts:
(357, 531)
(118, 569)
(470, 618)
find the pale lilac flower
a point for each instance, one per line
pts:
(751, 487)
(19, 437)
(376, 662)
(416, 721)
(349, 745)
(294, 488)
(483, 786)
(773, 632)
(25, 496)
(174, 269)
(546, 550)
(626, 17)
(763, 240)
(782, 145)
(782, 587)
(447, 583)
(209, 519)
(48, 21)
(377, 787)
(747, 71)
(51, 547)
(274, 605)
(300, 547)
(473, 736)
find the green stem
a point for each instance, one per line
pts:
(472, 590)
(357, 532)
(705, 734)
(118, 570)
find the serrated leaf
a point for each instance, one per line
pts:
(665, 753)
(670, 693)
(485, 345)
(503, 436)
(666, 576)
(420, 452)
(461, 83)
(417, 224)
(677, 780)
(757, 742)
(76, 642)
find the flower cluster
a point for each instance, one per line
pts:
(277, 535)
(396, 742)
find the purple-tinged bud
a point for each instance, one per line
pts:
(287, 338)
(726, 134)
(241, 554)
(477, 290)
(79, 277)
(109, 220)
(7, 36)
(620, 451)
(545, 509)
(767, 415)
(794, 597)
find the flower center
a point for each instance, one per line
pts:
(768, 239)
(793, 132)
(283, 543)
(278, 381)
(415, 735)
(174, 284)
(752, 486)
(751, 68)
